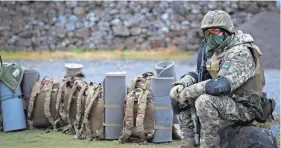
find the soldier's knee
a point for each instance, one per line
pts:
(203, 101)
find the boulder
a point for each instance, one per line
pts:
(247, 137)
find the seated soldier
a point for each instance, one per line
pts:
(232, 73)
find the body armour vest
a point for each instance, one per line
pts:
(253, 85)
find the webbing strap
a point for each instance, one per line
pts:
(133, 84)
(35, 91)
(47, 103)
(73, 89)
(112, 106)
(163, 128)
(128, 122)
(141, 114)
(59, 108)
(86, 121)
(90, 92)
(79, 109)
(163, 108)
(93, 95)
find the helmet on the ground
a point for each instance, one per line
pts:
(218, 18)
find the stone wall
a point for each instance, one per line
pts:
(98, 25)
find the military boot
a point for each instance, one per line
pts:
(187, 129)
(187, 143)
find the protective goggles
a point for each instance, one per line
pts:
(213, 31)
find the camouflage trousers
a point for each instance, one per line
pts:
(215, 113)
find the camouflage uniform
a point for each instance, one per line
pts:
(237, 66)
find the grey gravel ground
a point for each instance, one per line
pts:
(95, 71)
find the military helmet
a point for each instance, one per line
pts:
(218, 18)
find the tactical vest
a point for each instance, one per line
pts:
(254, 85)
(41, 108)
(139, 111)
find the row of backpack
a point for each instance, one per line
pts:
(73, 107)
(76, 107)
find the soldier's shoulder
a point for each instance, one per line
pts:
(239, 50)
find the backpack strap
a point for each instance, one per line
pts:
(79, 112)
(35, 91)
(59, 105)
(85, 123)
(47, 102)
(73, 89)
(142, 101)
(133, 84)
(128, 122)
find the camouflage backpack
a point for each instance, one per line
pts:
(90, 114)
(66, 103)
(139, 119)
(41, 107)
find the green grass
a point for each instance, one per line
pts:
(39, 138)
(165, 54)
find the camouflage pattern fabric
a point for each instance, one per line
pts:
(237, 65)
(216, 113)
(186, 124)
(186, 80)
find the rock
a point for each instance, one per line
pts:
(104, 25)
(116, 22)
(10, 48)
(247, 136)
(158, 11)
(83, 33)
(3, 28)
(157, 43)
(145, 46)
(13, 39)
(174, 33)
(121, 31)
(23, 42)
(135, 30)
(129, 43)
(71, 48)
(253, 8)
(243, 4)
(165, 16)
(70, 34)
(70, 26)
(99, 34)
(43, 48)
(178, 41)
(71, 4)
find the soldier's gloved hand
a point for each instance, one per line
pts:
(191, 93)
(185, 96)
(176, 90)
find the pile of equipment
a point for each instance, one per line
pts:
(109, 110)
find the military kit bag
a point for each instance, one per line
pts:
(90, 113)
(139, 120)
(41, 107)
(66, 105)
(263, 107)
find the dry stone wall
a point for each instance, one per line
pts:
(103, 25)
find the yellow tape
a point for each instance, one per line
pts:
(163, 128)
(112, 106)
(163, 108)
